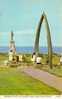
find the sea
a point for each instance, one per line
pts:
(30, 50)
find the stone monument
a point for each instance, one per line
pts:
(12, 48)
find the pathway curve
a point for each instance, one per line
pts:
(45, 77)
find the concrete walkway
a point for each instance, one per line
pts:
(45, 77)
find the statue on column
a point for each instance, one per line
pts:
(12, 48)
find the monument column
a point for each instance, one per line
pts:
(12, 43)
(12, 48)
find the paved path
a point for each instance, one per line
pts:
(45, 77)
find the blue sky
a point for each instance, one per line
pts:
(22, 16)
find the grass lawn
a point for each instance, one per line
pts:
(15, 82)
(55, 71)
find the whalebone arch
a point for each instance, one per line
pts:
(49, 43)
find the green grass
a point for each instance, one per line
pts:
(3, 56)
(14, 82)
(55, 71)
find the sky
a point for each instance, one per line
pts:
(22, 17)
